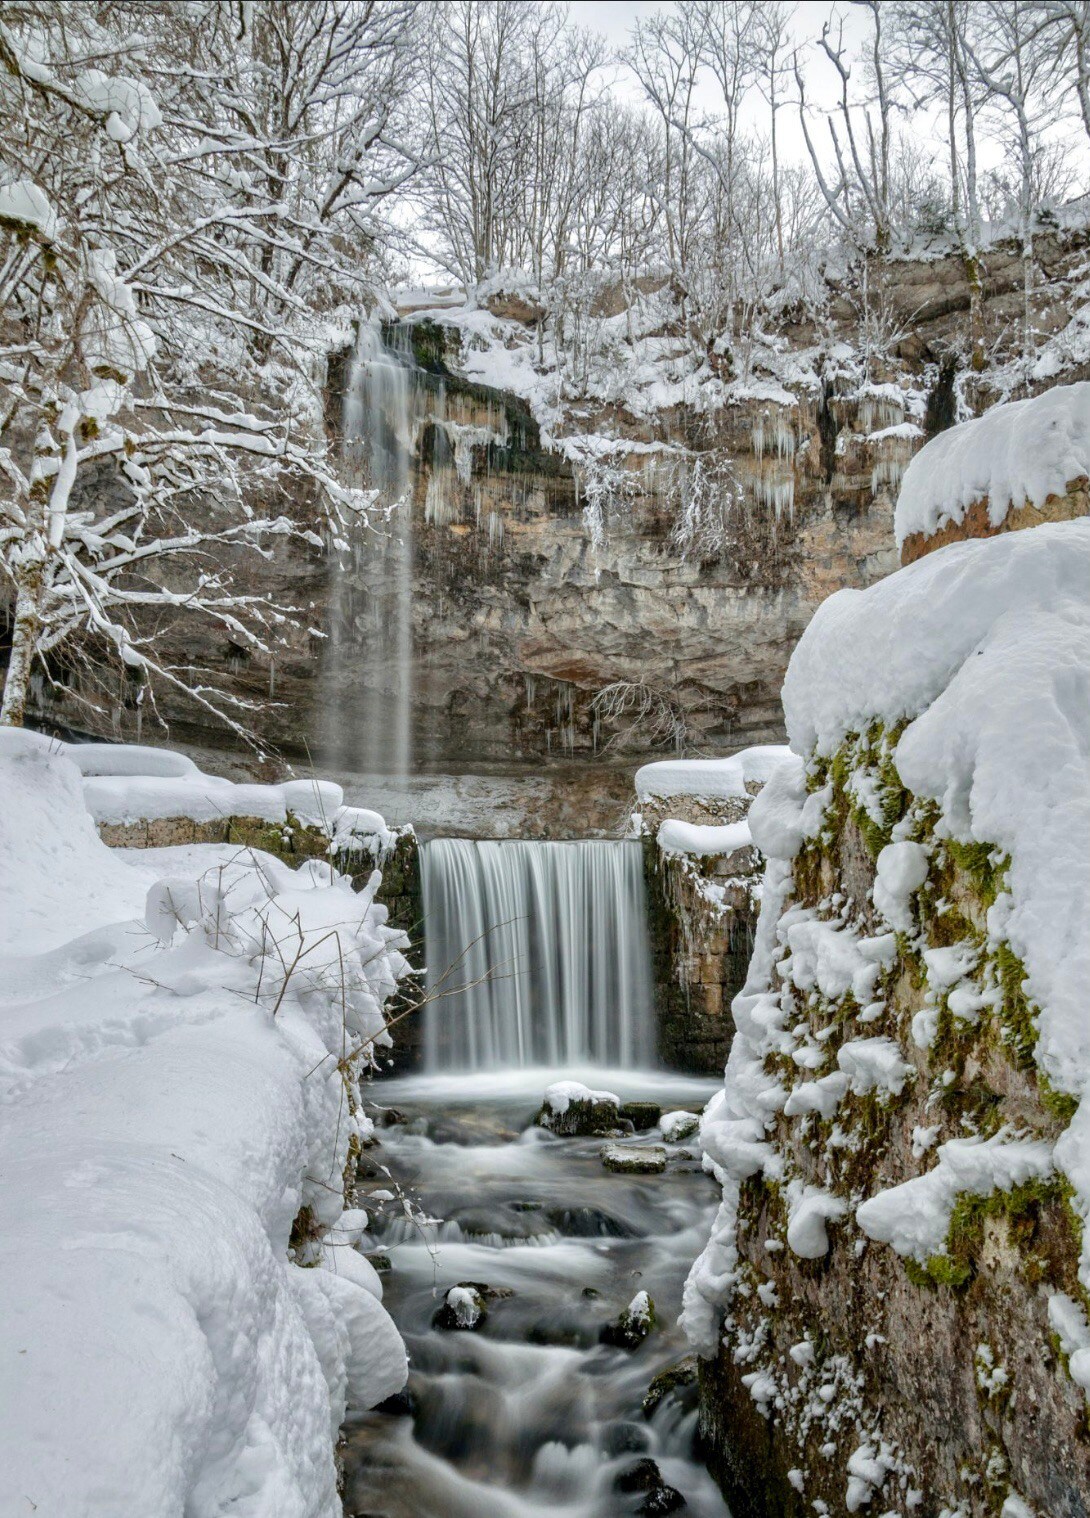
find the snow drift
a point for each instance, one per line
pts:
(186, 1315)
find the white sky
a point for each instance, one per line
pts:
(614, 19)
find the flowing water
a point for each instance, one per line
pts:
(537, 954)
(369, 656)
(529, 1414)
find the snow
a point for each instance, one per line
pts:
(169, 1101)
(676, 837)
(710, 778)
(901, 871)
(465, 1304)
(560, 1095)
(1067, 1319)
(809, 1210)
(127, 783)
(26, 205)
(914, 1217)
(1017, 454)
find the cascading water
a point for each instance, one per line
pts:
(537, 954)
(370, 646)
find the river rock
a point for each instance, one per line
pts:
(677, 1377)
(645, 1476)
(571, 1110)
(644, 1160)
(465, 1307)
(677, 1126)
(633, 1325)
(588, 1223)
(642, 1115)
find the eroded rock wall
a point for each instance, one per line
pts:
(854, 1374)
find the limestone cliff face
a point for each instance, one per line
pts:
(530, 597)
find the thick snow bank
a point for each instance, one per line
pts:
(712, 778)
(676, 837)
(1015, 455)
(171, 1101)
(127, 783)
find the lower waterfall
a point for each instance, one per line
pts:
(537, 954)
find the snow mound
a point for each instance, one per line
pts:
(676, 837)
(1017, 454)
(711, 778)
(171, 1102)
(560, 1095)
(127, 783)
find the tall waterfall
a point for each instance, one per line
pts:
(537, 954)
(371, 633)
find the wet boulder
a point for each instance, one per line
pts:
(646, 1159)
(571, 1110)
(465, 1306)
(588, 1223)
(633, 1325)
(645, 1476)
(642, 1115)
(678, 1379)
(678, 1126)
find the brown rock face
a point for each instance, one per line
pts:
(1075, 502)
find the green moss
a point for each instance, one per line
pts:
(1015, 1012)
(1020, 1208)
(983, 865)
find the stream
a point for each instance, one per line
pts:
(529, 1413)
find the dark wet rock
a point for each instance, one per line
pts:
(640, 1476)
(401, 1405)
(646, 1159)
(677, 1378)
(589, 1223)
(645, 1476)
(465, 1307)
(642, 1115)
(632, 1326)
(525, 1206)
(589, 1117)
(591, 1291)
(503, 1221)
(664, 1499)
(379, 1260)
(389, 1117)
(624, 1439)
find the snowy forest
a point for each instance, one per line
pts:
(544, 758)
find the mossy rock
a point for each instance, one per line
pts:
(582, 1118)
(678, 1377)
(642, 1115)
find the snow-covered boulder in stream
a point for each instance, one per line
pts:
(186, 1315)
(892, 1305)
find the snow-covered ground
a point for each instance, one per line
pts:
(177, 1093)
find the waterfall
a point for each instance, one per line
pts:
(369, 658)
(537, 953)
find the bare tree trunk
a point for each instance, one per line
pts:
(24, 642)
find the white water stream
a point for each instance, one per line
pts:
(531, 1415)
(537, 953)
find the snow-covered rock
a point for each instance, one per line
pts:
(1016, 455)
